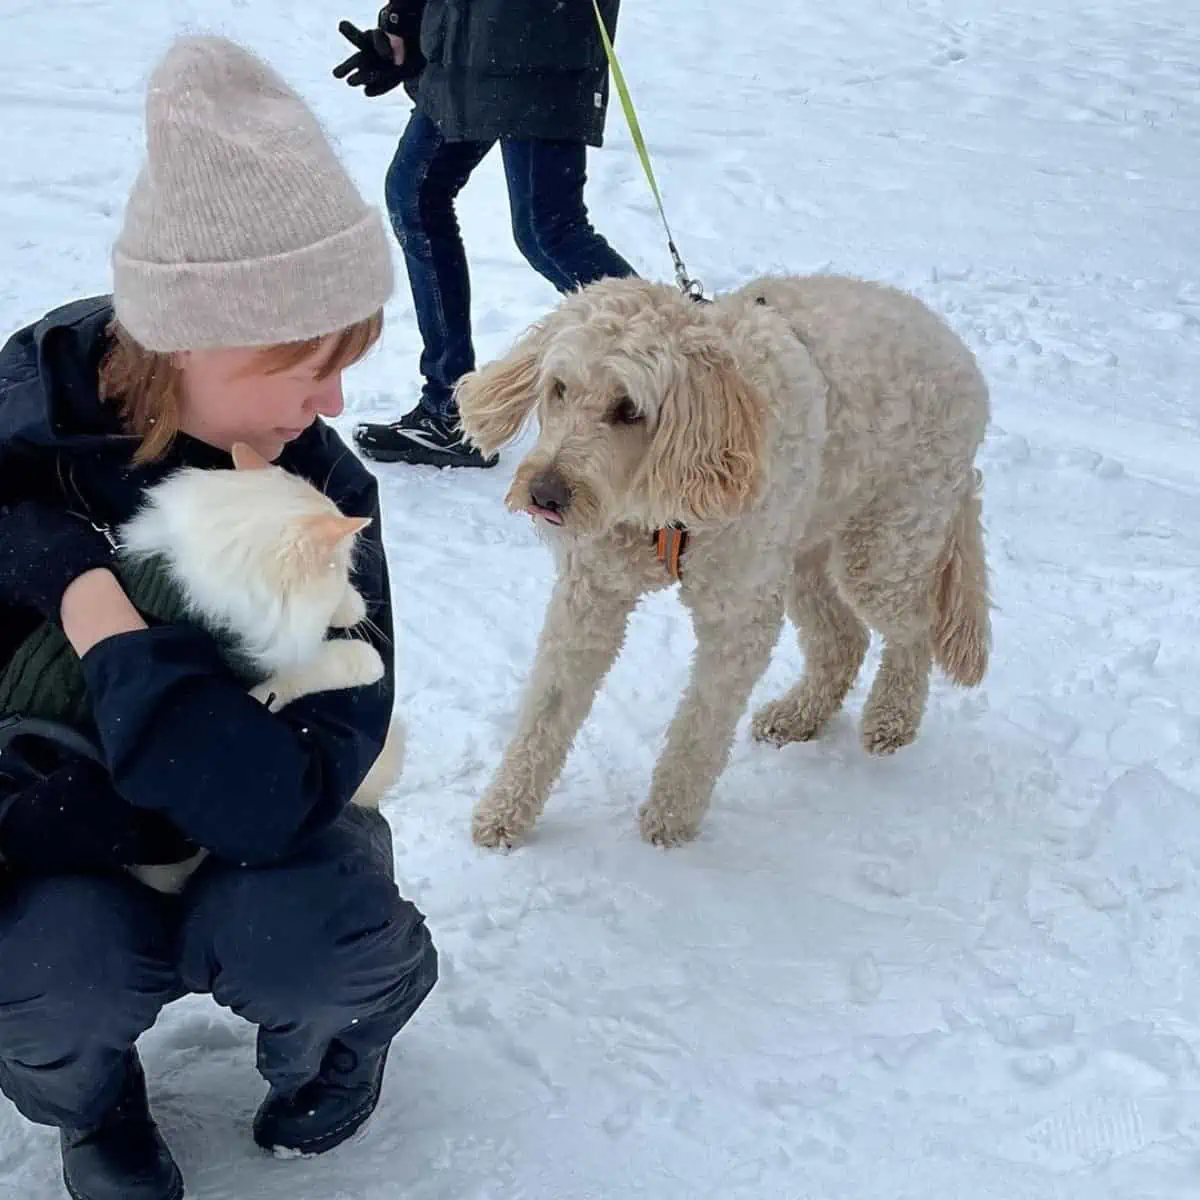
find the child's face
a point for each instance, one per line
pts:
(229, 396)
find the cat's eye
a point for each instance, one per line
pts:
(625, 412)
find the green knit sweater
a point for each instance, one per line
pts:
(44, 677)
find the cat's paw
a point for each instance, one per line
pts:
(351, 611)
(340, 663)
(168, 878)
(347, 664)
(270, 693)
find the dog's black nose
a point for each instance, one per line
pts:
(548, 490)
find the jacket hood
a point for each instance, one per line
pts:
(49, 381)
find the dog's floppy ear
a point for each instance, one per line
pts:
(706, 457)
(494, 401)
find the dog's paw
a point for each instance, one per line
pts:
(497, 829)
(664, 827)
(507, 812)
(787, 720)
(886, 730)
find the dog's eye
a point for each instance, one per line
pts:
(625, 412)
(558, 389)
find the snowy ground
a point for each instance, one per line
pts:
(972, 971)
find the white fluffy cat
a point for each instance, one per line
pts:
(264, 556)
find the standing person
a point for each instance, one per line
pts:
(248, 275)
(531, 74)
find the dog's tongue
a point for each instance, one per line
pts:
(547, 514)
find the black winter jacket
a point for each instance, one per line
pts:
(180, 735)
(515, 69)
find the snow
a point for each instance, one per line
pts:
(970, 971)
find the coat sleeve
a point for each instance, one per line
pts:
(184, 739)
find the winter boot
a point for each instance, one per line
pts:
(124, 1157)
(326, 1111)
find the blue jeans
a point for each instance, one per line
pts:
(549, 220)
(319, 947)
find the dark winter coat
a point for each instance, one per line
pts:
(179, 732)
(515, 69)
(44, 677)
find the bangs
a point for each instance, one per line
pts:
(337, 350)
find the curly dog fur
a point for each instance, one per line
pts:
(816, 436)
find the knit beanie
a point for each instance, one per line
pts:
(243, 227)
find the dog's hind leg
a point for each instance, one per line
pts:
(734, 639)
(835, 643)
(582, 636)
(892, 716)
(888, 558)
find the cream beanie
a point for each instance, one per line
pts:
(243, 227)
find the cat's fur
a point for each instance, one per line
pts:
(264, 556)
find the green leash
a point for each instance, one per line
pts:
(690, 287)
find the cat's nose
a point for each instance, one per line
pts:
(548, 490)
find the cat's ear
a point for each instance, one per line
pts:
(331, 530)
(246, 458)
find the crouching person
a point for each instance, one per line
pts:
(249, 274)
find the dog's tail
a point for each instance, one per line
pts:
(962, 632)
(386, 768)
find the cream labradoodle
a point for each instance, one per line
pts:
(815, 437)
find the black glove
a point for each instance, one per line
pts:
(71, 819)
(373, 68)
(402, 19)
(43, 550)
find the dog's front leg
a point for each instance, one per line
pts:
(734, 639)
(582, 635)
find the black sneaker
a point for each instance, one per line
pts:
(124, 1157)
(327, 1111)
(422, 438)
